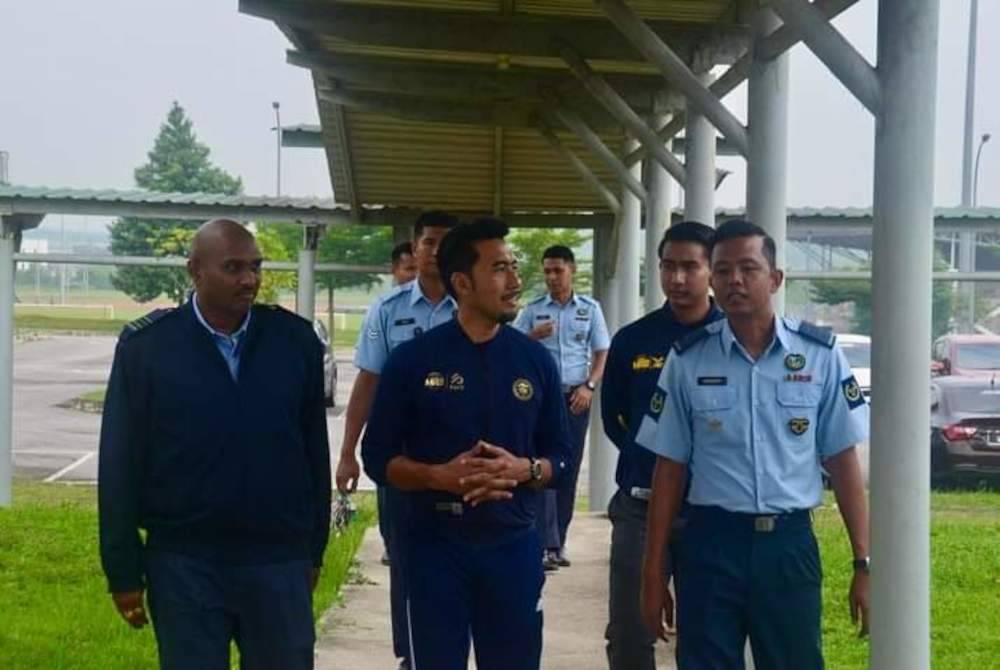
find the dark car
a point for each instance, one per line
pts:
(965, 426)
(967, 355)
(329, 364)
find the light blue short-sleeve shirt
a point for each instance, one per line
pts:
(755, 432)
(580, 330)
(397, 317)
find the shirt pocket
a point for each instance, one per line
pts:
(716, 419)
(399, 334)
(798, 410)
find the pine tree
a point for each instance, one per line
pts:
(178, 162)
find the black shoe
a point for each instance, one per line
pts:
(550, 561)
(385, 559)
(404, 664)
(562, 558)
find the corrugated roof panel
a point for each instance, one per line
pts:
(695, 11)
(136, 196)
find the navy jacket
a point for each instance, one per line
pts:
(638, 354)
(440, 393)
(232, 470)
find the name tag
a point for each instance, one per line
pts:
(542, 317)
(404, 322)
(713, 381)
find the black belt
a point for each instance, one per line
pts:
(758, 523)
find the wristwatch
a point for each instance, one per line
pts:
(863, 564)
(590, 385)
(535, 469)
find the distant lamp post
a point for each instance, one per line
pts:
(277, 129)
(975, 173)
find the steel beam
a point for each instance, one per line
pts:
(593, 142)
(180, 262)
(8, 233)
(767, 103)
(777, 43)
(617, 106)
(609, 198)
(676, 71)
(902, 262)
(657, 221)
(830, 46)
(699, 192)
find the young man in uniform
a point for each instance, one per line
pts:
(214, 441)
(637, 356)
(469, 421)
(402, 314)
(404, 265)
(572, 328)
(754, 407)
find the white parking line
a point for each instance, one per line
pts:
(75, 464)
(51, 452)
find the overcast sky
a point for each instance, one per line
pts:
(84, 87)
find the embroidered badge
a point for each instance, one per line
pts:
(641, 363)
(852, 392)
(523, 390)
(795, 362)
(798, 425)
(434, 381)
(656, 403)
(373, 333)
(582, 311)
(456, 382)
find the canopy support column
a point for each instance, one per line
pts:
(657, 222)
(699, 158)
(305, 304)
(601, 453)
(8, 234)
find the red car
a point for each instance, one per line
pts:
(966, 356)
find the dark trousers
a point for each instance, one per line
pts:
(384, 528)
(492, 593)
(737, 582)
(556, 505)
(392, 516)
(630, 645)
(199, 607)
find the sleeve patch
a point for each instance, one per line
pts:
(852, 392)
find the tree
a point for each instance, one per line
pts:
(859, 293)
(529, 245)
(178, 162)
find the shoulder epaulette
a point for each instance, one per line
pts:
(144, 322)
(691, 339)
(395, 292)
(538, 299)
(811, 331)
(588, 299)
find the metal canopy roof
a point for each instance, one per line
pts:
(438, 103)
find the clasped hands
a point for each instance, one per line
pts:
(485, 473)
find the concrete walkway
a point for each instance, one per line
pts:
(357, 632)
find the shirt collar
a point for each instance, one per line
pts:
(549, 300)
(781, 337)
(212, 331)
(416, 295)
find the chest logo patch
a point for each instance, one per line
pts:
(798, 426)
(456, 382)
(646, 362)
(523, 390)
(582, 312)
(795, 362)
(434, 381)
(656, 403)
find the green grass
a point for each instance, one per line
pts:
(95, 396)
(965, 584)
(54, 608)
(88, 324)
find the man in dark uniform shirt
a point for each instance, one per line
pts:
(638, 354)
(214, 441)
(470, 422)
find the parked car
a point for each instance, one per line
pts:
(965, 426)
(966, 355)
(329, 364)
(858, 350)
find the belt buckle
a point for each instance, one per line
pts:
(764, 524)
(640, 493)
(454, 508)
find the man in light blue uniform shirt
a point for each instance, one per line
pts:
(755, 407)
(572, 328)
(400, 315)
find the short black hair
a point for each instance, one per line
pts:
(688, 231)
(433, 219)
(559, 252)
(736, 228)
(401, 250)
(457, 251)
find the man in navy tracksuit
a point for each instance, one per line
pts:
(214, 441)
(638, 353)
(470, 422)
